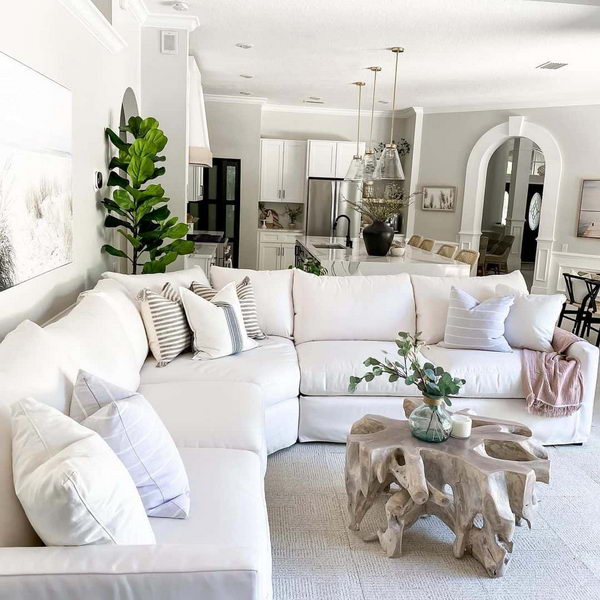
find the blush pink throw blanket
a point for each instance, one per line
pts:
(552, 382)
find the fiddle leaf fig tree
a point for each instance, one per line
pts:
(139, 212)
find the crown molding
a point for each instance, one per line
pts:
(234, 99)
(96, 23)
(507, 106)
(137, 8)
(186, 22)
(340, 112)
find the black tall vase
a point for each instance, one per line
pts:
(378, 238)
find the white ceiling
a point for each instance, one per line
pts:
(459, 53)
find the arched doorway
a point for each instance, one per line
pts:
(475, 181)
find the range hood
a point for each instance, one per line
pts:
(199, 146)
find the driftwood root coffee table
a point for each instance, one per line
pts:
(480, 487)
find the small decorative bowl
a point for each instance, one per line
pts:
(396, 251)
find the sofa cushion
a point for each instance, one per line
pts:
(155, 281)
(92, 335)
(30, 365)
(432, 298)
(273, 366)
(372, 307)
(73, 487)
(326, 367)
(228, 508)
(273, 293)
(487, 374)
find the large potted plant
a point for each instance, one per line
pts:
(431, 421)
(139, 212)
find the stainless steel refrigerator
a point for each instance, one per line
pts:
(327, 199)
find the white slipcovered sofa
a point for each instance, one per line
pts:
(225, 415)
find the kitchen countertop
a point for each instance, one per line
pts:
(349, 261)
(282, 230)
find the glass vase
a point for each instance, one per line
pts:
(431, 422)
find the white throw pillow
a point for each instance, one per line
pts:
(73, 488)
(133, 430)
(432, 296)
(532, 318)
(368, 307)
(476, 325)
(217, 324)
(134, 284)
(273, 293)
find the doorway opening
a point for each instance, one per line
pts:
(512, 207)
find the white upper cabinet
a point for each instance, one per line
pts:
(330, 159)
(294, 171)
(282, 170)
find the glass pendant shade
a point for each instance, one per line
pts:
(370, 163)
(356, 169)
(389, 165)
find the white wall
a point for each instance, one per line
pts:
(449, 137)
(43, 35)
(234, 132)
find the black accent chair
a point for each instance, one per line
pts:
(580, 307)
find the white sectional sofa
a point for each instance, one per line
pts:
(225, 415)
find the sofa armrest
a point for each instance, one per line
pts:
(161, 572)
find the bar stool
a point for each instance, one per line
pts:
(427, 244)
(447, 250)
(415, 240)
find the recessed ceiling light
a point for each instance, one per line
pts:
(247, 76)
(244, 45)
(383, 101)
(314, 98)
(180, 6)
(551, 65)
(246, 93)
(313, 101)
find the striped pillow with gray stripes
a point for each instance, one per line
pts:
(476, 325)
(247, 300)
(166, 324)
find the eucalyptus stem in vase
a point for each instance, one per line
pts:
(430, 422)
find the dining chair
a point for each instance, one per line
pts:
(469, 257)
(580, 306)
(447, 250)
(483, 246)
(427, 244)
(498, 259)
(415, 240)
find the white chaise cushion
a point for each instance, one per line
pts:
(134, 284)
(432, 298)
(532, 318)
(72, 486)
(129, 425)
(30, 365)
(370, 307)
(487, 374)
(92, 336)
(273, 293)
(326, 367)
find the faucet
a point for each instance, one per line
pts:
(348, 240)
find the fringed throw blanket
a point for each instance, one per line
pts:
(552, 381)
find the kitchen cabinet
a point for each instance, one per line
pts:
(282, 171)
(331, 159)
(276, 249)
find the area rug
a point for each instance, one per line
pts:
(316, 557)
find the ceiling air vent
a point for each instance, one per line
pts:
(313, 101)
(551, 65)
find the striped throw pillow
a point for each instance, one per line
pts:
(476, 325)
(166, 325)
(247, 300)
(129, 425)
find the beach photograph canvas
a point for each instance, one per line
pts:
(439, 198)
(36, 212)
(589, 210)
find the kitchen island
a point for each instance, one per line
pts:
(333, 256)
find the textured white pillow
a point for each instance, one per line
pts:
(532, 318)
(432, 296)
(73, 488)
(129, 425)
(217, 324)
(273, 293)
(134, 284)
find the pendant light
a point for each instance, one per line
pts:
(370, 162)
(389, 165)
(356, 168)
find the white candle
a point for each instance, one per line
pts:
(461, 426)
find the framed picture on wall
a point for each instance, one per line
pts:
(589, 209)
(439, 197)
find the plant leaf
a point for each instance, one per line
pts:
(146, 125)
(132, 240)
(110, 221)
(143, 147)
(123, 199)
(116, 140)
(113, 251)
(116, 180)
(177, 231)
(140, 170)
(158, 138)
